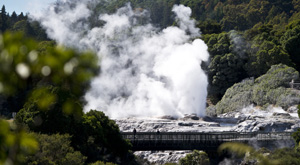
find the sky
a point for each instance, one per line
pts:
(25, 6)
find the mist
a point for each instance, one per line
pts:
(145, 71)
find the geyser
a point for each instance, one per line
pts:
(145, 72)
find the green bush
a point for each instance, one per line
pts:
(15, 143)
(102, 163)
(273, 85)
(100, 139)
(195, 158)
(236, 97)
(55, 149)
(271, 88)
(287, 156)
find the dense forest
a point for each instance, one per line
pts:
(245, 39)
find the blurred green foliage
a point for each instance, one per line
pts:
(15, 143)
(249, 153)
(55, 79)
(262, 156)
(239, 149)
(102, 163)
(23, 67)
(288, 156)
(195, 158)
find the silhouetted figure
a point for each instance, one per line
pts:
(157, 133)
(292, 83)
(134, 133)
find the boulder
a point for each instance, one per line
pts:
(293, 109)
(185, 124)
(191, 116)
(207, 118)
(168, 117)
(214, 125)
(281, 115)
(264, 126)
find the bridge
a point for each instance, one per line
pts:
(209, 142)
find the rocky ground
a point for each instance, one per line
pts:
(250, 119)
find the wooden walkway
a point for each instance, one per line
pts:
(143, 141)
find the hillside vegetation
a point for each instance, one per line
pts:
(271, 88)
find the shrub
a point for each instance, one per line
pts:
(270, 88)
(55, 149)
(195, 158)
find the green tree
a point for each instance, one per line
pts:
(3, 19)
(100, 139)
(291, 42)
(265, 49)
(21, 16)
(209, 27)
(12, 20)
(195, 158)
(225, 71)
(267, 54)
(14, 17)
(55, 149)
(24, 27)
(228, 57)
(296, 4)
(15, 143)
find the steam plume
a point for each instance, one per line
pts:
(144, 71)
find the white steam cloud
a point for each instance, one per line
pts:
(144, 71)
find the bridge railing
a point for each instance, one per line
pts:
(294, 84)
(211, 136)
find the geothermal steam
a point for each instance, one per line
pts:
(145, 72)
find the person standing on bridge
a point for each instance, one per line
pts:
(157, 133)
(134, 133)
(292, 84)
